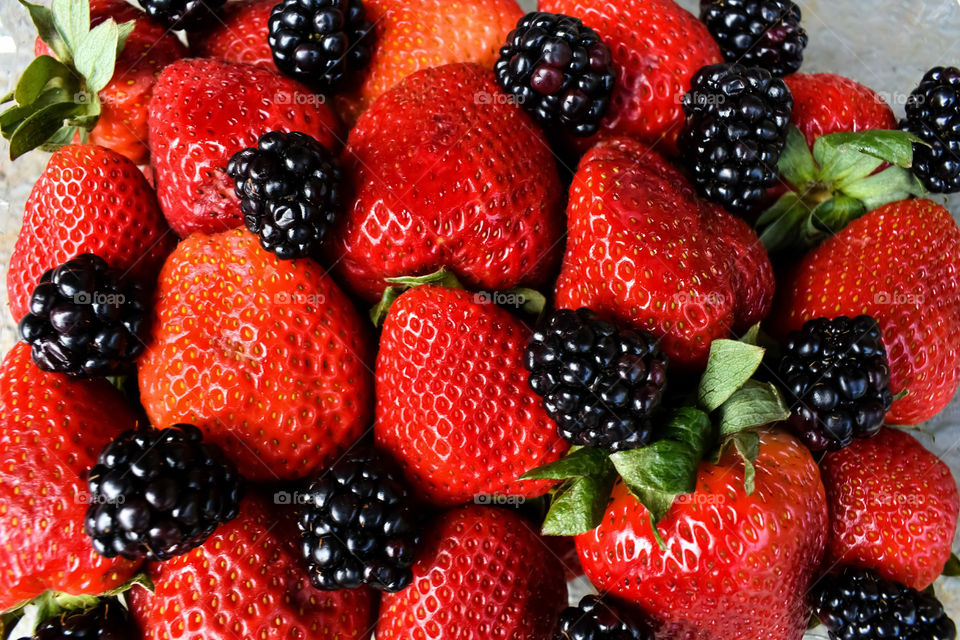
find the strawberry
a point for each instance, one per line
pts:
(88, 200)
(825, 103)
(644, 250)
(657, 46)
(246, 582)
(449, 173)
(734, 566)
(51, 430)
(901, 265)
(893, 508)
(453, 403)
(240, 35)
(266, 356)
(202, 112)
(482, 572)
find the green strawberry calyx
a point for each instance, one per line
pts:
(57, 97)
(836, 182)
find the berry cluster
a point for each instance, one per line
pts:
(762, 33)
(595, 619)
(185, 15)
(106, 620)
(933, 115)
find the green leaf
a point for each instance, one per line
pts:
(42, 19)
(755, 404)
(11, 118)
(578, 505)
(842, 165)
(731, 363)
(581, 463)
(890, 185)
(952, 568)
(38, 127)
(95, 55)
(124, 30)
(895, 147)
(64, 136)
(780, 225)
(533, 302)
(748, 446)
(796, 163)
(752, 335)
(690, 426)
(36, 76)
(442, 278)
(662, 466)
(72, 20)
(836, 213)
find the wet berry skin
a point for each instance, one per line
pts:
(933, 115)
(108, 620)
(596, 619)
(186, 15)
(763, 33)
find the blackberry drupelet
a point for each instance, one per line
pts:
(107, 620)
(357, 526)
(857, 604)
(185, 15)
(157, 494)
(320, 42)
(600, 384)
(933, 115)
(290, 190)
(559, 71)
(837, 381)
(84, 319)
(596, 619)
(762, 33)
(737, 120)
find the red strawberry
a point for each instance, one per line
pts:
(644, 250)
(825, 103)
(246, 582)
(265, 355)
(448, 173)
(453, 403)
(657, 46)
(51, 430)
(735, 567)
(900, 264)
(202, 112)
(481, 573)
(893, 508)
(88, 200)
(240, 35)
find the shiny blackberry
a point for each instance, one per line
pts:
(183, 15)
(559, 71)
(600, 384)
(596, 619)
(837, 380)
(290, 190)
(358, 527)
(84, 319)
(107, 620)
(157, 494)
(857, 604)
(320, 42)
(736, 127)
(933, 115)
(762, 33)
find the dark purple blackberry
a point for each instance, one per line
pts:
(933, 115)
(84, 319)
(559, 71)
(597, 619)
(761, 33)
(600, 384)
(837, 380)
(857, 604)
(157, 494)
(290, 190)
(357, 526)
(107, 620)
(737, 120)
(185, 15)
(319, 42)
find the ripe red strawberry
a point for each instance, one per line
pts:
(448, 173)
(88, 200)
(453, 403)
(246, 581)
(657, 46)
(893, 508)
(643, 249)
(267, 356)
(481, 573)
(900, 264)
(240, 35)
(825, 103)
(202, 112)
(735, 567)
(51, 430)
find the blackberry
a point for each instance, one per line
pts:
(157, 494)
(559, 71)
(837, 380)
(857, 604)
(357, 527)
(933, 115)
(762, 33)
(290, 190)
(84, 319)
(595, 619)
(600, 384)
(107, 620)
(183, 15)
(737, 120)
(319, 42)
